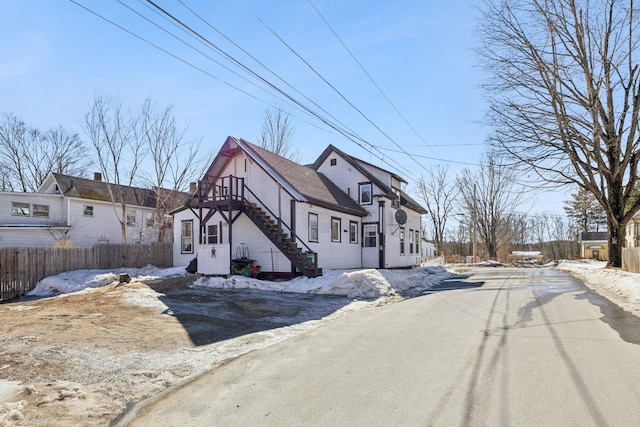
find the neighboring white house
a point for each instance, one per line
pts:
(340, 212)
(68, 210)
(428, 249)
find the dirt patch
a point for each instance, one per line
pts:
(82, 359)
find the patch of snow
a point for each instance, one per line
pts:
(78, 280)
(622, 287)
(367, 283)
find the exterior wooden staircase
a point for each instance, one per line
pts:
(305, 261)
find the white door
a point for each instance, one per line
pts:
(370, 258)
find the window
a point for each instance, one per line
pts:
(333, 162)
(150, 219)
(353, 232)
(365, 193)
(212, 234)
(411, 241)
(370, 232)
(335, 229)
(88, 210)
(401, 240)
(396, 200)
(20, 209)
(417, 243)
(131, 219)
(313, 227)
(186, 237)
(40, 211)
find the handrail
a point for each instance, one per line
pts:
(275, 216)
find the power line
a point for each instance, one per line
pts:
(338, 127)
(372, 80)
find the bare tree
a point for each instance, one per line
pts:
(565, 96)
(491, 199)
(438, 193)
(277, 132)
(119, 150)
(176, 163)
(28, 155)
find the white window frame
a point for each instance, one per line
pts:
(353, 232)
(313, 227)
(186, 237)
(39, 210)
(361, 190)
(150, 219)
(336, 227)
(130, 218)
(20, 209)
(88, 210)
(402, 241)
(369, 231)
(411, 236)
(212, 234)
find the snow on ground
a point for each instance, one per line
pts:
(621, 287)
(368, 283)
(78, 280)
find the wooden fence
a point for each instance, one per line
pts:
(22, 268)
(631, 259)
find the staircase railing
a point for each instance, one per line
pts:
(281, 223)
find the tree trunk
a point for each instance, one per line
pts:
(616, 243)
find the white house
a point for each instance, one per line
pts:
(68, 210)
(340, 212)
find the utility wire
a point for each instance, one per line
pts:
(373, 81)
(345, 132)
(340, 94)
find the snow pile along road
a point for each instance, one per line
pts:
(368, 283)
(621, 287)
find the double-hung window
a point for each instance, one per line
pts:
(40, 211)
(353, 232)
(186, 233)
(313, 227)
(212, 234)
(365, 193)
(335, 229)
(401, 240)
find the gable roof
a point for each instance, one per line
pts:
(303, 183)
(91, 189)
(405, 199)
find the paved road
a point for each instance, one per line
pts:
(506, 347)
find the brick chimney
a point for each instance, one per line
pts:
(193, 187)
(97, 176)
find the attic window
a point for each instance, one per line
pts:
(333, 162)
(88, 210)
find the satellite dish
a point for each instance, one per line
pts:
(401, 216)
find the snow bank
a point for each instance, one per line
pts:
(74, 281)
(610, 282)
(368, 283)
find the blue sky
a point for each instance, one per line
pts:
(56, 56)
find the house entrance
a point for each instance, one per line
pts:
(595, 254)
(370, 255)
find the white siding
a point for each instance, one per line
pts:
(104, 226)
(393, 258)
(181, 259)
(56, 212)
(331, 255)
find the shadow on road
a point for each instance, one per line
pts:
(211, 315)
(455, 283)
